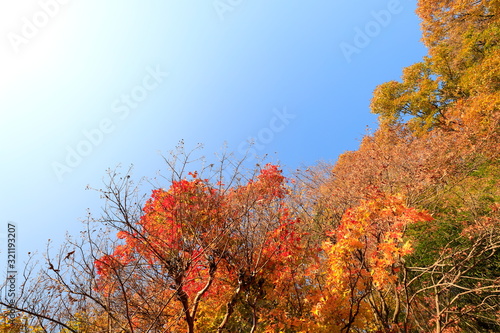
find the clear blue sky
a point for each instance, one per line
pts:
(124, 81)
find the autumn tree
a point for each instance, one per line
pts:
(179, 239)
(204, 241)
(217, 253)
(365, 286)
(457, 83)
(267, 254)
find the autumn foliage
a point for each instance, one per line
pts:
(215, 250)
(364, 287)
(400, 235)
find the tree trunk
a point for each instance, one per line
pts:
(229, 310)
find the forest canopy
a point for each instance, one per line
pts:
(400, 235)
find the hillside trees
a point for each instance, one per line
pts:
(460, 79)
(438, 146)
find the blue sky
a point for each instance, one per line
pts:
(88, 85)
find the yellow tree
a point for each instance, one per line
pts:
(457, 83)
(365, 285)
